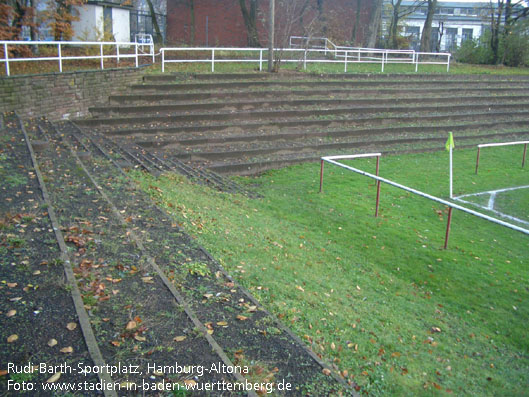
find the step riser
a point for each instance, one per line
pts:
(267, 115)
(153, 110)
(292, 137)
(293, 94)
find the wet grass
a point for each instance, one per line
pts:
(378, 297)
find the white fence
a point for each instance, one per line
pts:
(121, 50)
(345, 56)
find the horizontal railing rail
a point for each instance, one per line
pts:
(214, 55)
(61, 46)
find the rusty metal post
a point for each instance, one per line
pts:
(378, 188)
(477, 161)
(321, 176)
(524, 154)
(447, 236)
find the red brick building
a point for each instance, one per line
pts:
(221, 22)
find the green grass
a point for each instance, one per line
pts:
(514, 203)
(371, 294)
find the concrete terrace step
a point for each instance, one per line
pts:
(259, 161)
(201, 118)
(336, 84)
(158, 98)
(321, 102)
(174, 142)
(306, 125)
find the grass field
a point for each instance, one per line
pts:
(380, 298)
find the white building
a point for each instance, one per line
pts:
(453, 23)
(97, 17)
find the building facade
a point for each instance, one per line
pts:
(453, 23)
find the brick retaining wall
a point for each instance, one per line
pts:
(63, 95)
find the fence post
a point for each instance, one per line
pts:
(59, 53)
(448, 63)
(345, 67)
(321, 176)
(524, 154)
(260, 60)
(383, 58)
(326, 46)
(101, 54)
(416, 62)
(378, 189)
(447, 236)
(305, 61)
(136, 53)
(117, 52)
(477, 160)
(6, 57)
(163, 60)
(212, 60)
(152, 52)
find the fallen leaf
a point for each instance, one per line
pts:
(54, 378)
(326, 371)
(180, 338)
(3, 372)
(147, 280)
(436, 329)
(71, 326)
(12, 285)
(67, 350)
(241, 318)
(131, 325)
(251, 309)
(190, 382)
(222, 324)
(140, 338)
(12, 338)
(11, 313)
(52, 342)
(300, 288)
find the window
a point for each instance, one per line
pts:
(467, 34)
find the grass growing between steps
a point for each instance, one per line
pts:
(238, 67)
(379, 298)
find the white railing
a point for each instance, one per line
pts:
(299, 55)
(122, 50)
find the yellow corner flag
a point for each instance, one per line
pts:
(450, 142)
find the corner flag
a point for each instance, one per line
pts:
(450, 142)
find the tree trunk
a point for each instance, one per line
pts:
(193, 25)
(158, 38)
(354, 34)
(394, 25)
(495, 32)
(374, 24)
(426, 36)
(250, 21)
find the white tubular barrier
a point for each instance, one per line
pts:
(503, 144)
(332, 160)
(60, 58)
(309, 55)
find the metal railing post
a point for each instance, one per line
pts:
(383, 58)
(261, 60)
(321, 176)
(59, 53)
(524, 154)
(345, 66)
(117, 53)
(378, 188)
(416, 63)
(448, 63)
(136, 54)
(212, 60)
(163, 60)
(477, 160)
(6, 57)
(305, 61)
(101, 54)
(447, 236)
(152, 52)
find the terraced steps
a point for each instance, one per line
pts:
(245, 123)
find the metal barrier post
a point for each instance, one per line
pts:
(378, 188)
(101, 53)
(117, 52)
(261, 60)
(152, 52)
(6, 57)
(212, 60)
(163, 60)
(59, 52)
(321, 176)
(383, 58)
(447, 236)
(477, 160)
(448, 63)
(136, 54)
(305, 61)
(524, 154)
(416, 63)
(345, 67)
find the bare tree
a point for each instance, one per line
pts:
(397, 14)
(250, 21)
(375, 17)
(426, 36)
(354, 33)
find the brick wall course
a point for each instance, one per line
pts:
(63, 95)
